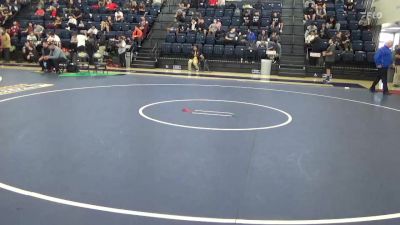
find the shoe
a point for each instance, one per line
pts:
(372, 90)
(387, 93)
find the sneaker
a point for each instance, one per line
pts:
(372, 90)
(386, 93)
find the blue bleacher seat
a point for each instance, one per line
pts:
(239, 51)
(208, 50)
(347, 57)
(358, 45)
(210, 40)
(210, 11)
(370, 57)
(187, 49)
(191, 38)
(229, 50)
(369, 46)
(218, 50)
(353, 25)
(166, 48)
(360, 56)
(228, 12)
(367, 35)
(236, 21)
(355, 35)
(351, 16)
(170, 38)
(343, 24)
(176, 48)
(181, 38)
(219, 12)
(200, 38)
(226, 21)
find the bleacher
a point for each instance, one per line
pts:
(92, 16)
(362, 42)
(180, 44)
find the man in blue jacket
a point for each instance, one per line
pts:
(383, 60)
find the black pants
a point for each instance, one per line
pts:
(122, 60)
(382, 75)
(52, 64)
(6, 54)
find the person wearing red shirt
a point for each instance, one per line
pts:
(40, 12)
(212, 2)
(15, 29)
(137, 36)
(111, 5)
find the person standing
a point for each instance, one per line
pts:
(122, 51)
(330, 55)
(396, 78)
(383, 60)
(5, 45)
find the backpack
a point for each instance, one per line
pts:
(72, 68)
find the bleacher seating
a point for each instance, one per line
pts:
(363, 47)
(213, 47)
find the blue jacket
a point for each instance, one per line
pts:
(383, 57)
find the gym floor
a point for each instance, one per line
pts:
(144, 149)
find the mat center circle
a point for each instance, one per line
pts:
(219, 115)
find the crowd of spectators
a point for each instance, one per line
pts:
(342, 23)
(204, 23)
(84, 26)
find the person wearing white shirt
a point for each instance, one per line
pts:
(54, 38)
(122, 51)
(81, 42)
(119, 16)
(93, 30)
(72, 22)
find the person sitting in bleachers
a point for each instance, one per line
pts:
(38, 30)
(256, 19)
(119, 16)
(212, 2)
(349, 5)
(331, 23)
(29, 28)
(40, 12)
(180, 16)
(144, 25)
(15, 29)
(77, 14)
(310, 36)
(345, 41)
(54, 38)
(92, 30)
(323, 32)
(276, 22)
(105, 25)
(365, 22)
(201, 26)
(309, 12)
(242, 39)
(55, 58)
(320, 12)
(72, 23)
(215, 26)
(32, 37)
(247, 18)
(142, 9)
(262, 40)
(193, 25)
(231, 37)
(111, 6)
(320, 3)
(251, 38)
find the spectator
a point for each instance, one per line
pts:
(92, 30)
(74, 42)
(396, 78)
(329, 55)
(345, 41)
(81, 42)
(231, 37)
(247, 17)
(29, 51)
(32, 37)
(193, 25)
(262, 39)
(106, 24)
(242, 39)
(365, 22)
(332, 24)
(57, 23)
(55, 57)
(77, 15)
(15, 29)
(251, 37)
(40, 12)
(91, 46)
(72, 23)
(201, 26)
(212, 2)
(276, 22)
(142, 9)
(5, 45)
(214, 27)
(180, 16)
(349, 5)
(256, 19)
(121, 51)
(111, 6)
(320, 12)
(28, 29)
(54, 39)
(309, 12)
(194, 59)
(137, 36)
(323, 32)
(144, 25)
(316, 44)
(119, 16)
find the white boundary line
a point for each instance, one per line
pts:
(191, 218)
(211, 114)
(288, 120)
(217, 112)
